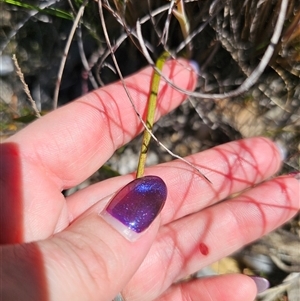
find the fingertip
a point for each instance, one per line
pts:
(233, 287)
(261, 283)
(195, 66)
(236, 287)
(182, 72)
(106, 257)
(294, 174)
(281, 149)
(133, 209)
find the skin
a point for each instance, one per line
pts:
(56, 248)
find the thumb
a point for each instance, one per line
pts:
(96, 256)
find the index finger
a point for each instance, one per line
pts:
(74, 141)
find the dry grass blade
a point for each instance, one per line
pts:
(65, 55)
(256, 73)
(144, 48)
(25, 87)
(248, 84)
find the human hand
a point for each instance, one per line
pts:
(74, 254)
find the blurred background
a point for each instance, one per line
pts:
(227, 38)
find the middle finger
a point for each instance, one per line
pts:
(231, 167)
(186, 245)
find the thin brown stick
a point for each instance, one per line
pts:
(142, 44)
(66, 51)
(253, 77)
(84, 60)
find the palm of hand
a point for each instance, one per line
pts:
(63, 148)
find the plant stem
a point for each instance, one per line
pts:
(152, 101)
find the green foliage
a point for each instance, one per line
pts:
(26, 118)
(51, 10)
(107, 172)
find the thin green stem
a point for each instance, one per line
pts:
(152, 101)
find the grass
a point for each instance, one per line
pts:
(227, 39)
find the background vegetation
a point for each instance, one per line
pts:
(227, 38)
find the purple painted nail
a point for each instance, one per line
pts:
(282, 150)
(261, 283)
(295, 174)
(135, 206)
(195, 66)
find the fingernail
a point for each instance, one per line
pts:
(261, 283)
(282, 150)
(195, 66)
(135, 206)
(295, 174)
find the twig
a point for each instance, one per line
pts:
(191, 36)
(182, 18)
(84, 60)
(165, 35)
(256, 73)
(66, 51)
(25, 87)
(146, 54)
(130, 98)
